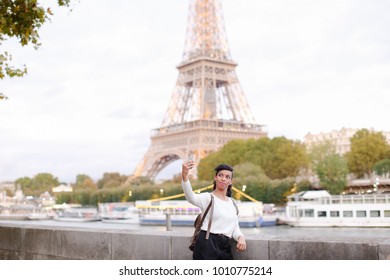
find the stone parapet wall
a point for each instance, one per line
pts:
(59, 243)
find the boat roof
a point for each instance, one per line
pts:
(310, 194)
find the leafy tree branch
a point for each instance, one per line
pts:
(22, 20)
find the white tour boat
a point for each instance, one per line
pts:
(180, 212)
(24, 212)
(119, 212)
(183, 213)
(77, 214)
(320, 209)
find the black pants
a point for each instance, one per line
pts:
(217, 247)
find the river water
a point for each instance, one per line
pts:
(272, 231)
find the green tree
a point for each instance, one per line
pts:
(231, 153)
(142, 180)
(280, 190)
(367, 148)
(84, 181)
(332, 172)
(2, 96)
(281, 157)
(25, 183)
(22, 20)
(44, 182)
(64, 197)
(111, 180)
(40, 183)
(278, 157)
(382, 168)
(206, 166)
(286, 158)
(248, 170)
(258, 151)
(303, 185)
(320, 151)
(253, 178)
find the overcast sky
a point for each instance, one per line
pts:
(105, 72)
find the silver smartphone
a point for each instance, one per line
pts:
(191, 158)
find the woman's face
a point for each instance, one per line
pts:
(223, 179)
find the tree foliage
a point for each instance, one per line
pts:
(253, 178)
(330, 168)
(228, 156)
(332, 172)
(285, 158)
(382, 168)
(278, 157)
(367, 148)
(38, 184)
(303, 185)
(2, 96)
(263, 165)
(84, 182)
(111, 180)
(22, 20)
(248, 170)
(320, 151)
(24, 182)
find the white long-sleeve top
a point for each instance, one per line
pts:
(225, 219)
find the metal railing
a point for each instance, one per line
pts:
(350, 199)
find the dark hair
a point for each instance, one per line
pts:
(220, 168)
(223, 167)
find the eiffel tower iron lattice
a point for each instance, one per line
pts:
(208, 107)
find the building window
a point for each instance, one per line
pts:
(375, 213)
(309, 212)
(361, 214)
(321, 213)
(347, 214)
(334, 213)
(387, 213)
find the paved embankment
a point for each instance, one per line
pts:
(27, 242)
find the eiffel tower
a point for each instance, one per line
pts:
(208, 107)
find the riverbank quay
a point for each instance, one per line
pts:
(40, 242)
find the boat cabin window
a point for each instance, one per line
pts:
(375, 213)
(321, 213)
(309, 212)
(193, 211)
(336, 201)
(347, 214)
(334, 213)
(361, 213)
(347, 200)
(325, 200)
(387, 213)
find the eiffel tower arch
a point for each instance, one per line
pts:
(208, 107)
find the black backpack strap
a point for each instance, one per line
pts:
(206, 211)
(235, 205)
(211, 216)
